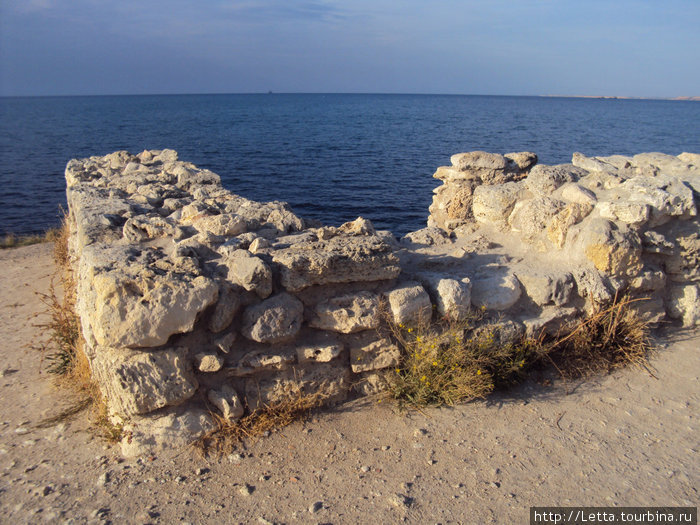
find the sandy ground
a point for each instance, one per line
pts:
(625, 439)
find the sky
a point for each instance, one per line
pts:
(641, 48)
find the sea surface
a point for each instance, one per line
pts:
(332, 157)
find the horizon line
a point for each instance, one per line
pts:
(612, 97)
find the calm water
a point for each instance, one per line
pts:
(332, 157)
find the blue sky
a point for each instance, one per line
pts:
(517, 47)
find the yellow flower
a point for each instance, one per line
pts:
(418, 339)
(397, 370)
(435, 363)
(478, 372)
(410, 330)
(423, 379)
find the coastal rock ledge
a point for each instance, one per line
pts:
(194, 300)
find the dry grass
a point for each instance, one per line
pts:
(447, 363)
(611, 338)
(11, 240)
(64, 350)
(227, 436)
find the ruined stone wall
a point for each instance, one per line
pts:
(194, 300)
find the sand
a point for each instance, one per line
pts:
(624, 439)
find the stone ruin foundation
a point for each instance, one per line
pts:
(194, 300)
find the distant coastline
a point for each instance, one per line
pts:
(694, 99)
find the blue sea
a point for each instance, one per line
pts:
(332, 157)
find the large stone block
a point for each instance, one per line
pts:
(409, 304)
(275, 320)
(348, 313)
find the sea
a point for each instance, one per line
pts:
(332, 157)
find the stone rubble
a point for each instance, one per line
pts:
(195, 300)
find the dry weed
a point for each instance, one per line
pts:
(228, 435)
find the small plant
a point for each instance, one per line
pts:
(611, 338)
(227, 435)
(12, 240)
(449, 363)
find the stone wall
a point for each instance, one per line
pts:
(194, 300)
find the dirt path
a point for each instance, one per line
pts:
(625, 439)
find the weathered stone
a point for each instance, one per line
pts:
(136, 382)
(543, 180)
(592, 164)
(479, 160)
(430, 236)
(497, 292)
(454, 174)
(493, 204)
(226, 308)
(371, 352)
(208, 363)
(667, 196)
(613, 251)
(523, 160)
(409, 304)
(143, 228)
(258, 245)
(339, 260)
(558, 227)
(578, 194)
(328, 381)
(225, 225)
(321, 351)
(226, 400)
(678, 249)
(546, 287)
(172, 430)
(275, 320)
(549, 321)
(632, 213)
(530, 217)
(143, 302)
(250, 272)
(690, 158)
(348, 313)
(650, 309)
(684, 303)
(264, 359)
(452, 297)
(648, 280)
(225, 342)
(593, 286)
(359, 226)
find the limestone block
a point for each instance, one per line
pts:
(329, 381)
(576, 193)
(348, 313)
(226, 400)
(258, 245)
(136, 382)
(138, 297)
(275, 320)
(479, 160)
(359, 226)
(320, 351)
(370, 383)
(550, 320)
(633, 213)
(558, 227)
(684, 303)
(523, 160)
(502, 333)
(225, 224)
(225, 342)
(452, 174)
(250, 272)
(264, 360)
(208, 362)
(341, 259)
(142, 228)
(613, 251)
(546, 287)
(543, 180)
(593, 164)
(226, 308)
(497, 292)
(678, 249)
(409, 304)
(592, 285)
(452, 297)
(493, 204)
(648, 280)
(165, 431)
(667, 196)
(371, 352)
(430, 236)
(690, 158)
(530, 217)
(284, 220)
(650, 309)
